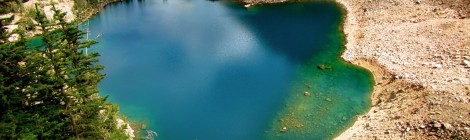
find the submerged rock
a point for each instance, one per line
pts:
(322, 67)
(308, 86)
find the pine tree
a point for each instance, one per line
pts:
(50, 91)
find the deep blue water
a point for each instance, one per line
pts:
(210, 70)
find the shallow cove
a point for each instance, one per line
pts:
(215, 70)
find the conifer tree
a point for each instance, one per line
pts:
(50, 91)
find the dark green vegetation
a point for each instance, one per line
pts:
(48, 90)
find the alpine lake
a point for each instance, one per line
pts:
(196, 69)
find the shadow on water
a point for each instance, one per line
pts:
(297, 30)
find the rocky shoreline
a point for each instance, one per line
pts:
(419, 53)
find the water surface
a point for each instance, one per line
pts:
(216, 70)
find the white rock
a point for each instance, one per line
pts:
(14, 37)
(422, 126)
(437, 66)
(10, 28)
(466, 63)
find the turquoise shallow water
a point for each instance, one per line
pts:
(215, 70)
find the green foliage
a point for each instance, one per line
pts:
(50, 91)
